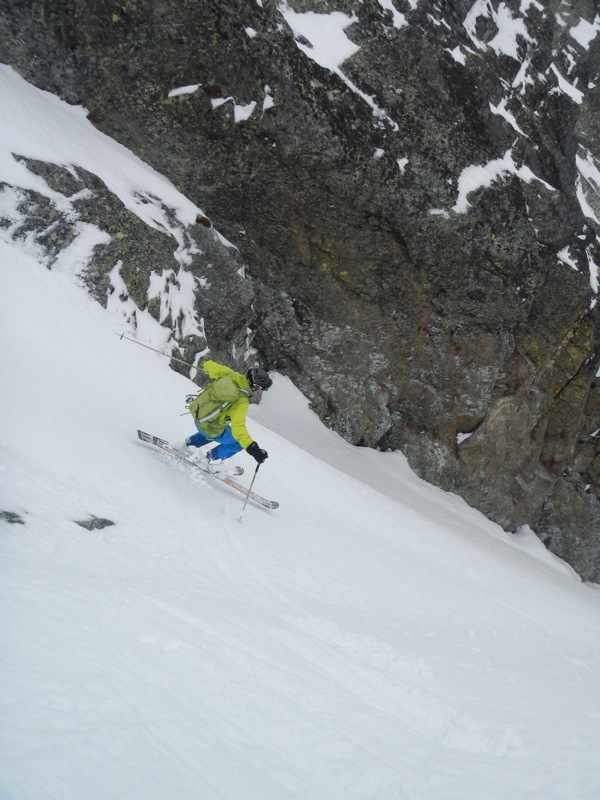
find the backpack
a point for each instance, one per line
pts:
(207, 407)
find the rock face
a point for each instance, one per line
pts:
(420, 219)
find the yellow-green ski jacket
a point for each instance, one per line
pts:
(233, 413)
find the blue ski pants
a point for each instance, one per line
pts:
(228, 446)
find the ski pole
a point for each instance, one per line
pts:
(249, 490)
(166, 355)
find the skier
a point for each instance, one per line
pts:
(219, 411)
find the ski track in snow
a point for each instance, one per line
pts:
(372, 638)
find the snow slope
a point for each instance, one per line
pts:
(372, 639)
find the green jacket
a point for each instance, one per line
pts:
(233, 413)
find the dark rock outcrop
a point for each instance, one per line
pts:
(12, 517)
(420, 224)
(94, 523)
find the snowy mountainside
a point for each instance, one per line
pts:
(372, 638)
(413, 187)
(80, 197)
(346, 645)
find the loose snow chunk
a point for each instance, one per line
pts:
(399, 20)
(587, 209)
(268, 102)
(566, 87)
(216, 102)
(504, 112)
(241, 113)
(589, 172)
(525, 5)
(250, 32)
(184, 90)
(79, 253)
(402, 162)
(585, 31)
(509, 28)
(15, 173)
(594, 271)
(457, 55)
(378, 153)
(176, 297)
(568, 53)
(522, 78)
(482, 176)
(479, 8)
(438, 22)
(136, 322)
(565, 256)
(330, 46)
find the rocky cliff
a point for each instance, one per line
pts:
(413, 189)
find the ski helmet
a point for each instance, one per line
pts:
(259, 378)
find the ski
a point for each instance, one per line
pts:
(226, 479)
(173, 451)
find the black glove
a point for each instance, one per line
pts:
(256, 453)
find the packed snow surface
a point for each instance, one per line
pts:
(372, 639)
